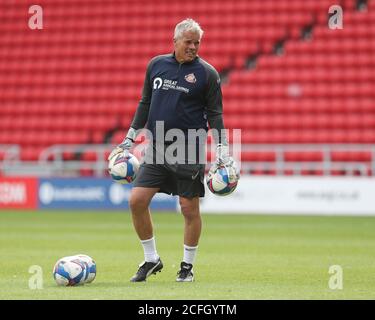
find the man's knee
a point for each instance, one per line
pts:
(139, 200)
(189, 207)
(136, 203)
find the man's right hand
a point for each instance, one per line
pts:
(224, 159)
(125, 145)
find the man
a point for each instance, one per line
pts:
(181, 91)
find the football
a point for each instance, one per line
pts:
(91, 267)
(222, 181)
(123, 169)
(70, 271)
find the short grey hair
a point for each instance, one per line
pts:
(187, 25)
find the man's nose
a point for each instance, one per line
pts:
(192, 46)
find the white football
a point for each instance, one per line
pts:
(223, 181)
(74, 270)
(91, 266)
(70, 271)
(123, 169)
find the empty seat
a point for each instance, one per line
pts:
(81, 78)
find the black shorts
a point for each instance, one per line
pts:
(186, 180)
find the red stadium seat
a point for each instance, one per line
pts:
(81, 78)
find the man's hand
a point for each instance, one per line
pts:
(125, 145)
(224, 159)
(222, 155)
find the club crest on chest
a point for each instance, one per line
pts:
(191, 78)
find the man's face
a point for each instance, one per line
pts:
(186, 47)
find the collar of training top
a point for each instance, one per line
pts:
(173, 55)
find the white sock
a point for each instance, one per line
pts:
(189, 254)
(149, 249)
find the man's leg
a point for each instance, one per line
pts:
(192, 232)
(193, 221)
(139, 202)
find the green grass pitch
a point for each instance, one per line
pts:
(240, 256)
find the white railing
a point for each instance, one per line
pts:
(51, 161)
(10, 154)
(54, 158)
(326, 165)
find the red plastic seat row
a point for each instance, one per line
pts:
(306, 60)
(70, 49)
(248, 28)
(352, 156)
(330, 45)
(358, 28)
(309, 156)
(319, 105)
(135, 21)
(306, 90)
(308, 136)
(78, 79)
(79, 123)
(61, 108)
(89, 66)
(202, 7)
(43, 138)
(305, 75)
(70, 93)
(62, 61)
(123, 16)
(308, 121)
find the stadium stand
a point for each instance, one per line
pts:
(289, 81)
